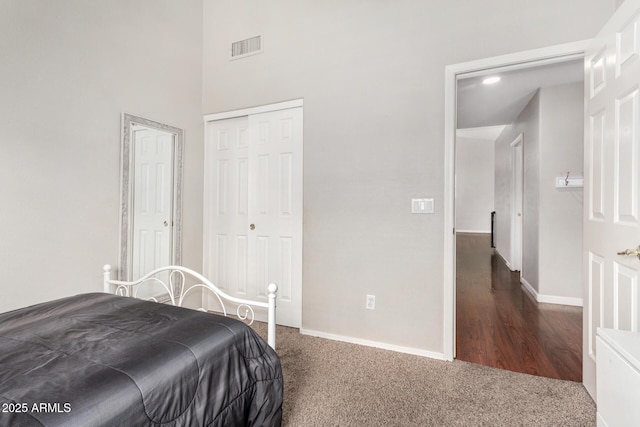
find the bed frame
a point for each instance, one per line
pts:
(174, 280)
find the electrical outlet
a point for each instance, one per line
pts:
(371, 302)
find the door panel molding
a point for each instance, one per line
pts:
(595, 308)
(596, 160)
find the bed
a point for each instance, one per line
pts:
(107, 359)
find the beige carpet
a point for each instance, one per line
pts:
(329, 383)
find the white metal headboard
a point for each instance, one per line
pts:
(176, 288)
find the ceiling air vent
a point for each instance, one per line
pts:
(246, 47)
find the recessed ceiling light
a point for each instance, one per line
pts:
(491, 80)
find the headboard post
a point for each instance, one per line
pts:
(271, 328)
(107, 276)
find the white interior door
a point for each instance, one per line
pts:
(517, 197)
(152, 202)
(253, 208)
(612, 178)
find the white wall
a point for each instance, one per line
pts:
(69, 69)
(474, 184)
(372, 76)
(561, 150)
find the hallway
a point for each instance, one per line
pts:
(501, 325)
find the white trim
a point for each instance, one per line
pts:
(520, 60)
(458, 231)
(376, 344)
(550, 299)
(551, 54)
(449, 274)
(506, 261)
(527, 287)
(253, 110)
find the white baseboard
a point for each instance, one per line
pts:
(550, 299)
(507, 263)
(527, 287)
(384, 346)
(473, 231)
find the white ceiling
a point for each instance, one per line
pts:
(481, 105)
(490, 133)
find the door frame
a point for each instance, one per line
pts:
(514, 61)
(517, 202)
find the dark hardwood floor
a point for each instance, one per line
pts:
(499, 324)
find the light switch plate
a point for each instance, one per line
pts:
(422, 206)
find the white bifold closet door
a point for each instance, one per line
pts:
(253, 208)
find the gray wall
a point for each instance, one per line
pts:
(553, 137)
(561, 150)
(527, 123)
(474, 184)
(69, 69)
(372, 75)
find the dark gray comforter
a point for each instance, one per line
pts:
(103, 360)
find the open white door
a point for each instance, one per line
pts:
(612, 182)
(517, 200)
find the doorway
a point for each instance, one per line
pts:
(558, 54)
